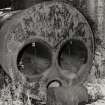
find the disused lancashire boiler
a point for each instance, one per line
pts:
(50, 45)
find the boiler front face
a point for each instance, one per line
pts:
(49, 49)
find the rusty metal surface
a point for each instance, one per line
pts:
(54, 23)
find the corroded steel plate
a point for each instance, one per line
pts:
(53, 22)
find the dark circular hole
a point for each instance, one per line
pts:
(72, 55)
(54, 81)
(34, 58)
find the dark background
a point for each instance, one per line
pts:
(15, 4)
(22, 4)
(5, 3)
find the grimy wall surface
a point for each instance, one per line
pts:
(93, 11)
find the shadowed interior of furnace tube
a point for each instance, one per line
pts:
(73, 55)
(34, 58)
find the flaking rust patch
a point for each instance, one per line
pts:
(52, 22)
